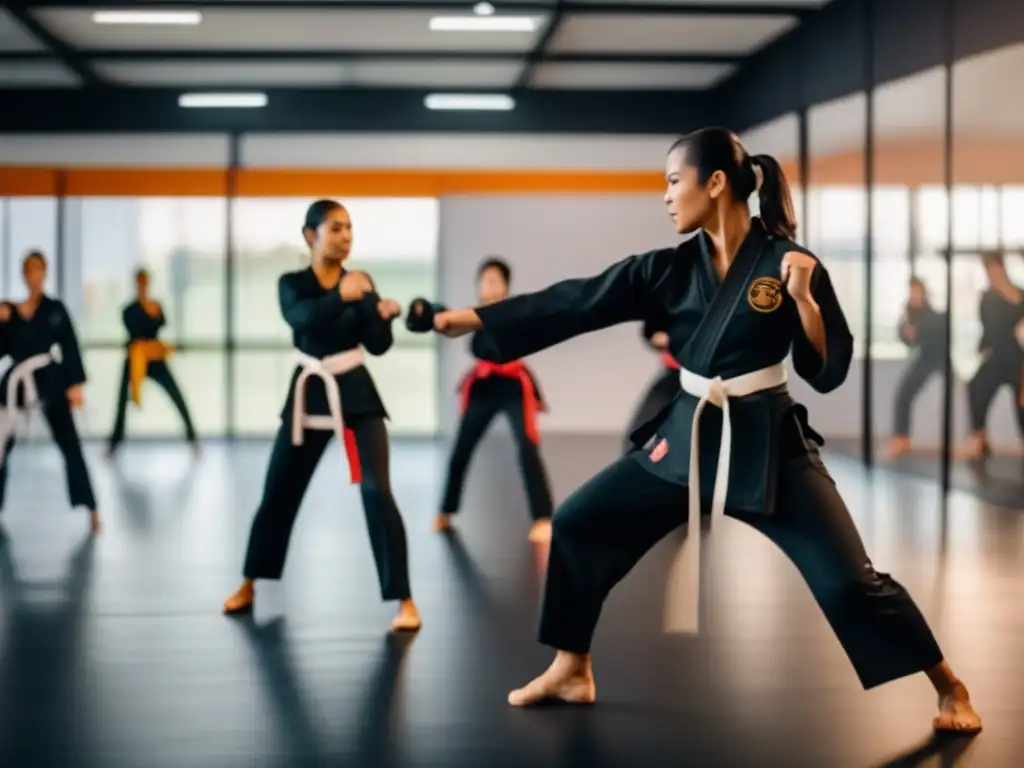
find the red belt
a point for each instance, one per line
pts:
(514, 370)
(669, 361)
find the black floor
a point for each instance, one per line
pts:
(115, 654)
(997, 480)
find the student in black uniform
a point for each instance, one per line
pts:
(46, 371)
(1002, 319)
(661, 391)
(923, 329)
(489, 388)
(334, 314)
(146, 356)
(737, 299)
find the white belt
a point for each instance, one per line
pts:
(22, 378)
(682, 612)
(326, 369)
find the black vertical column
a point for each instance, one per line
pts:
(867, 379)
(803, 149)
(234, 142)
(947, 174)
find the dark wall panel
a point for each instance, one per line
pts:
(909, 37)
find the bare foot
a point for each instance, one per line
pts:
(956, 714)
(569, 679)
(443, 522)
(540, 531)
(898, 445)
(241, 601)
(94, 521)
(408, 618)
(977, 448)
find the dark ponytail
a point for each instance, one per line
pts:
(776, 201)
(719, 149)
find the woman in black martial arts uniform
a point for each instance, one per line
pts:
(661, 391)
(1002, 319)
(923, 328)
(485, 390)
(736, 299)
(46, 371)
(146, 356)
(334, 314)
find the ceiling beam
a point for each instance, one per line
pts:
(536, 55)
(514, 6)
(272, 56)
(156, 110)
(19, 10)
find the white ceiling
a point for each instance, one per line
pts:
(171, 56)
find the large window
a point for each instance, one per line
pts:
(395, 240)
(30, 225)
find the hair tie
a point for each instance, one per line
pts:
(758, 175)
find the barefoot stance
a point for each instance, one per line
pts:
(540, 532)
(956, 714)
(408, 618)
(94, 521)
(569, 679)
(443, 522)
(242, 600)
(898, 446)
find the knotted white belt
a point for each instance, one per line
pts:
(682, 613)
(325, 369)
(22, 379)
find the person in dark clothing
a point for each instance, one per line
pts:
(47, 373)
(488, 389)
(146, 357)
(1002, 352)
(661, 391)
(923, 329)
(333, 314)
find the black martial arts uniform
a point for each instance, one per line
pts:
(924, 329)
(50, 325)
(322, 325)
(659, 394)
(1003, 363)
(141, 326)
(489, 388)
(778, 482)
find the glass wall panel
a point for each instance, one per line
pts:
(180, 240)
(395, 241)
(988, 273)
(31, 225)
(835, 230)
(909, 271)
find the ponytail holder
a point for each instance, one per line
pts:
(758, 175)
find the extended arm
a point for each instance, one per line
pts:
(823, 346)
(530, 322)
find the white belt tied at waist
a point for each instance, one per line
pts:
(683, 607)
(22, 378)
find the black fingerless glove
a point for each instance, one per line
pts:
(420, 317)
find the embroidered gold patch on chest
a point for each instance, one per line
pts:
(765, 294)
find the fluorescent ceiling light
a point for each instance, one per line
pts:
(222, 100)
(184, 18)
(483, 24)
(483, 9)
(473, 102)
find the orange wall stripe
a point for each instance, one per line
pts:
(28, 182)
(146, 182)
(909, 162)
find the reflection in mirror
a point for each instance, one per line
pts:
(908, 348)
(834, 229)
(987, 304)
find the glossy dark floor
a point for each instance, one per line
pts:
(115, 653)
(997, 480)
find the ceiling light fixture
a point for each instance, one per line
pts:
(483, 9)
(483, 24)
(179, 18)
(222, 100)
(470, 102)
